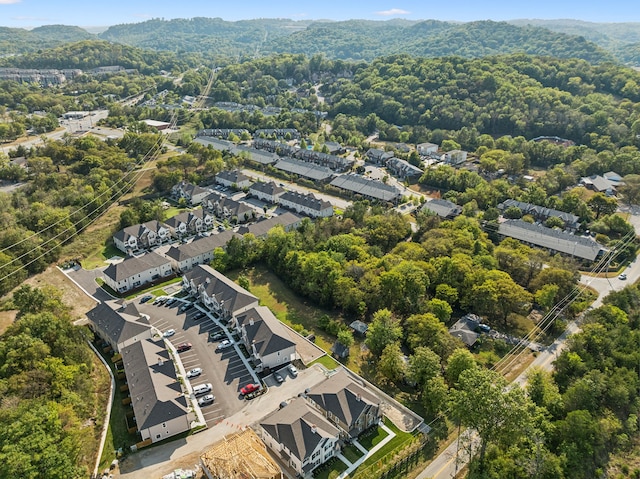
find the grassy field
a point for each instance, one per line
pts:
(285, 304)
(401, 440)
(352, 453)
(327, 361)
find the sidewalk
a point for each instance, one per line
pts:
(372, 451)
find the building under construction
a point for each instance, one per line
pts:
(242, 455)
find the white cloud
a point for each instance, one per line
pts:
(9, 2)
(392, 12)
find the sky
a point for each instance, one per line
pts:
(32, 13)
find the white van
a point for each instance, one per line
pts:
(201, 389)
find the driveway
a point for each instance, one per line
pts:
(224, 369)
(86, 279)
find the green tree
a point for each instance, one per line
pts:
(383, 330)
(459, 361)
(424, 365)
(345, 337)
(391, 364)
(602, 205)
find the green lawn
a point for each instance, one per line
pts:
(327, 361)
(369, 440)
(332, 471)
(172, 211)
(154, 288)
(401, 440)
(99, 256)
(352, 453)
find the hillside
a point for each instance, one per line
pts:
(353, 39)
(19, 40)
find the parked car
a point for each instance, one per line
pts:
(206, 400)
(485, 328)
(199, 315)
(278, 377)
(293, 370)
(249, 388)
(146, 298)
(186, 307)
(169, 332)
(217, 336)
(159, 300)
(224, 344)
(622, 276)
(184, 347)
(170, 301)
(194, 373)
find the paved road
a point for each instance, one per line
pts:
(86, 279)
(444, 466)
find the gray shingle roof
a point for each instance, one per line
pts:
(442, 208)
(234, 176)
(262, 227)
(366, 187)
(556, 240)
(299, 427)
(267, 188)
(302, 168)
(343, 397)
(186, 217)
(222, 288)
(138, 230)
(539, 211)
(200, 246)
(156, 394)
(265, 331)
(134, 265)
(307, 201)
(120, 325)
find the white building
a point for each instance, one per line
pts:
(193, 194)
(427, 148)
(300, 436)
(160, 408)
(268, 192)
(199, 251)
(190, 222)
(269, 342)
(234, 178)
(141, 236)
(119, 323)
(307, 205)
(454, 157)
(217, 292)
(133, 272)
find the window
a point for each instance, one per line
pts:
(164, 424)
(158, 436)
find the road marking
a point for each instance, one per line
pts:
(447, 464)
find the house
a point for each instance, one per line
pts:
(217, 292)
(234, 179)
(158, 125)
(159, 406)
(119, 323)
(542, 213)
(306, 204)
(199, 251)
(599, 184)
(244, 454)
(454, 157)
(348, 405)
(359, 327)
(267, 340)
(554, 240)
(443, 208)
(284, 133)
(190, 222)
(193, 194)
(380, 157)
(372, 189)
(300, 436)
(339, 350)
(223, 133)
(288, 221)
(133, 272)
(226, 208)
(427, 149)
(466, 329)
(141, 236)
(403, 169)
(335, 148)
(266, 191)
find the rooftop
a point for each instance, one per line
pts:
(303, 168)
(134, 265)
(366, 187)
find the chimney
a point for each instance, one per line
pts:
(314, 429)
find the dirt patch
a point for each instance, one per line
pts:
(6, 319)
(73, 296)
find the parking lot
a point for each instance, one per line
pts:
(224, 369)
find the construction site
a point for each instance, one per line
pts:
(241, 455)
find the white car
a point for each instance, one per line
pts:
(193, 373)
(205, 400)
(169, 332)
(293, 370)
(224, 344)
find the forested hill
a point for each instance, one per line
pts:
(90, 54)
(19, 40)
(357, 40)
(353, 39)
